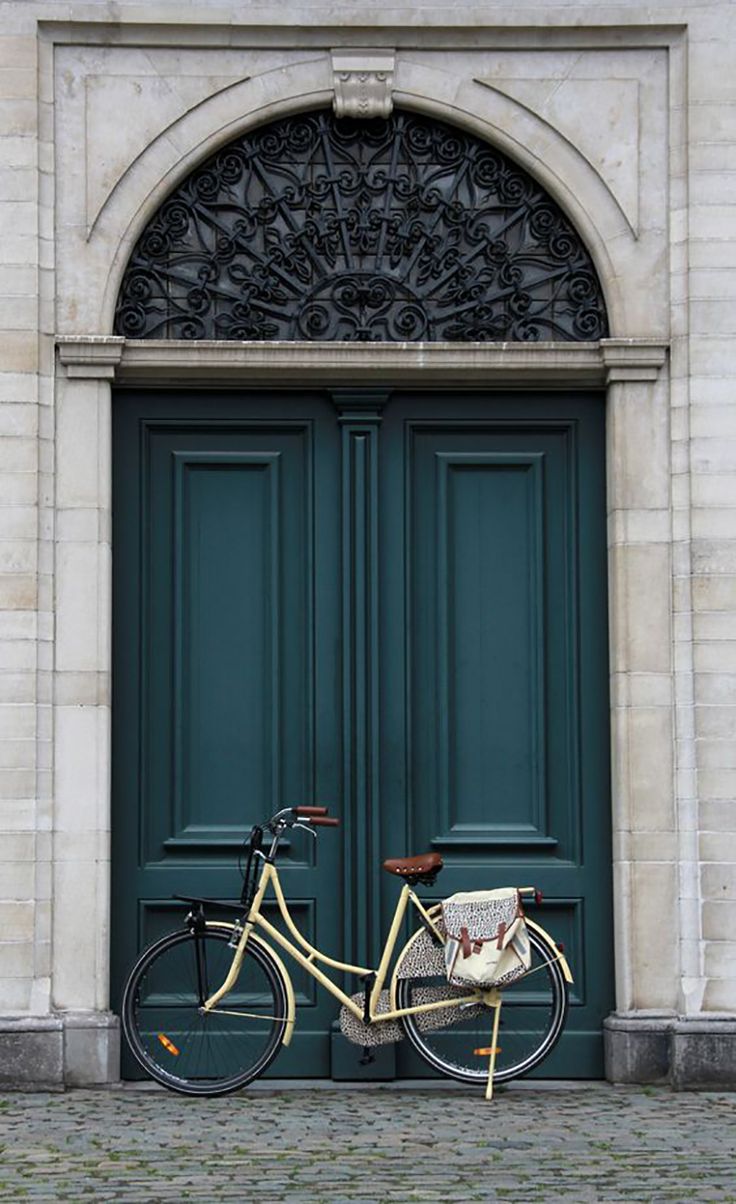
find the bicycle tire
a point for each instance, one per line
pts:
(203, 1054)
(450, 1049)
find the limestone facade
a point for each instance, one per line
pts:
(627, 115)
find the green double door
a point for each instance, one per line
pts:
(393, 602)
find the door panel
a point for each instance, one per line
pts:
(392, 602)
(498, 671)
(226, 647)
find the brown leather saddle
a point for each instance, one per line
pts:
(424, 868)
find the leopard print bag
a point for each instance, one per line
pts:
(487, 939)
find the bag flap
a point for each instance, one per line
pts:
(483, 896)
(482, 914)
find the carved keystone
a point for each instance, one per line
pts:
(363, 80)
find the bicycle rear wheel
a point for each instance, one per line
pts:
(532, 1019)
(209, 1053)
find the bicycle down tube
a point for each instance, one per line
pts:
(269, 874)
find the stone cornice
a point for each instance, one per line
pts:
(448, 29)
(512, 364)
(95, 356)
(632, 359)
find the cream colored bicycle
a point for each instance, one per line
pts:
(207, 1008)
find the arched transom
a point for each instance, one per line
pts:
(402, 229)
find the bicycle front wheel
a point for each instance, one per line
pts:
(533, 1016)
(195, 1052)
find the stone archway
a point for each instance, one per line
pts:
(319, 230)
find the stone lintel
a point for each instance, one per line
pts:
(210, 361)
(150, 360)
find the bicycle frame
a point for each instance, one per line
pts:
(295, 948)
(306, 955)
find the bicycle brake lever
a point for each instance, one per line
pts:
(306, 828)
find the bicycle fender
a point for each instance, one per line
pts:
(559, 955)
(407, 949)
(290, 998)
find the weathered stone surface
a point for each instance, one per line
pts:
(536, 1142)
(703, 1054)
(637, 1050)
(627, 116)
(91, 1049)
(31, 1053)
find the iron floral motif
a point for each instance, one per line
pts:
(401, 229)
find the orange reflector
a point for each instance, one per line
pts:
(486, 1053)
(168, 1045)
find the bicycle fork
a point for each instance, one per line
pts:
(197, 924)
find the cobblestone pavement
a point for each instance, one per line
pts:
(271, 1144)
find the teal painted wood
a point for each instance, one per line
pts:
(359, 417)
(395, 603)
(494, 666)
(227, 654)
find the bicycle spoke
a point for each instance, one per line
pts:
(203, 1052)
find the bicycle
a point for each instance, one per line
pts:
(205, 1010)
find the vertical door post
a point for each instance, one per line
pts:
(360, 417)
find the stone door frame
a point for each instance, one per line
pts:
(634, 373)
(655, 857)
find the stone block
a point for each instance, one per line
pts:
(703, 1055)
(654, 893)
(717, 815)
(17, 879)
(91, 1048)
(716, 754)
(720, 960)
(717, 846)
(17, 590)
(78, 607)
(17, 919)
(641, 588)
(714, 488)
(719, 996)
(718, 881)
(31, 1053)
(16, 959)
(636, 1050)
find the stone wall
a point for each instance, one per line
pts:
(628, 116)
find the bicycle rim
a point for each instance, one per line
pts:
(532, 1018)
(209, 1054)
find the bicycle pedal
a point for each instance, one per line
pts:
(367, 1057)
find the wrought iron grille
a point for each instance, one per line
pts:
(319, 228)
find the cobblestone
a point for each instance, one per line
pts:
(408, 1145)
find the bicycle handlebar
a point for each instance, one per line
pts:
(312, 816)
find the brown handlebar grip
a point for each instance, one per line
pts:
(325, 821)
(310, 810)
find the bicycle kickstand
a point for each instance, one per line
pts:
(493, 998)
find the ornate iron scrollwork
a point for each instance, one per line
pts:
(402, 229)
